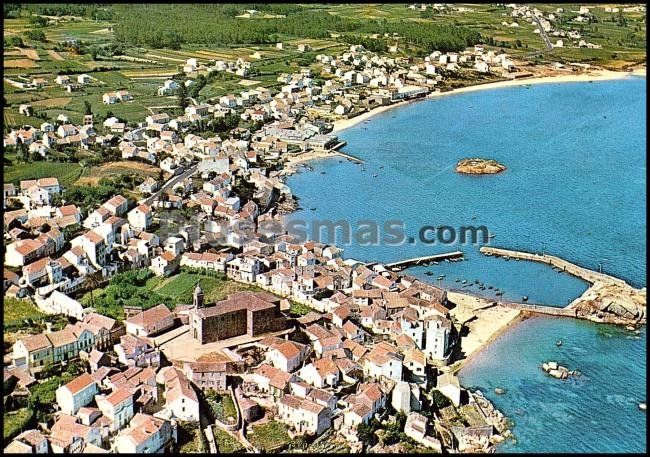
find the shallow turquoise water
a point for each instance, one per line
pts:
(595, 412)
(575, 187)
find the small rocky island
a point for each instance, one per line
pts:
(478, 166)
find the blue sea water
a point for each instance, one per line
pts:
(574, 187)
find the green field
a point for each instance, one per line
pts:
(623, 44)
(67, 173)
(15, 422)
(154, 290)
(269, 437)
(189, 439)
(226, 444)
(16, 311)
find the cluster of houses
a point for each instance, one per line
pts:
(550, 24)
(374, 337)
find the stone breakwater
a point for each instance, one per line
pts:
(478, 166)
(609, 300)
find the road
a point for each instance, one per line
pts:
(170, 183)
(542, 32)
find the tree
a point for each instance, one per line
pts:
(14, 41)
(23, 152)
(87, 108)
(182, 96)
(35, 35)
(366, 434)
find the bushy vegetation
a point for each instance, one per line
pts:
(91, 197)
(19, 313)
(15, 422)
(190, 439)
(226, 444)
(221, 406)
(271, 436)
(124, 289)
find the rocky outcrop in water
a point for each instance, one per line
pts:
(613, 303)
(558, 371)
(478, 166)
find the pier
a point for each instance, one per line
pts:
(349, 157)
(585, 274)
(401, 265)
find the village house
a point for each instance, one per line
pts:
(28, 442)
(117, 407)
(77, 393)
(180, 397)
(150, 322)
(165, 264)
(272, 380)
(207, 375)
(146, 435)
(304, 415)
(384, 360)
(140, 217)
(283, 354)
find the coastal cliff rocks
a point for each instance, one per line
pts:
(613, 303)
(478, 166)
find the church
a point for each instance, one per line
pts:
(242, 313)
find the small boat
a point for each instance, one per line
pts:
(499, 293)
(375, 175)
(313, 209)
(524, 298)
(464, 281)
(322, 172)
(428, 273)
(490, 287)
(447, 260)
(492, 236)
(558, 343)
(435, 263)
(457, 279)
(381, 167)
(440, 277)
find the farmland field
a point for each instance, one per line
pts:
(111, 169)
(67, 173)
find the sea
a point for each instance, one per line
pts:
(574, 187)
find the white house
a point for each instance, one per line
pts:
(117, 407)
(146, 435)
(384, 361)
(140, 217)
(77, 393)
(303, 415)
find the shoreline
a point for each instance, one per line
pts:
(592, 75)
(488, 319)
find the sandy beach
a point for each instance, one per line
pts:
(592, 75)
(485, 322)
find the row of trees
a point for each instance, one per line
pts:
(171, 26)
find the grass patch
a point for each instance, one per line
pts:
(16, 422)
(299, 309)
(141, 288)
(190, 440)
(226, 444)
(269, 437)
(16, 311)
(67, 173)
(222, 406)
